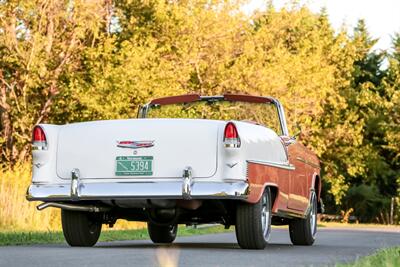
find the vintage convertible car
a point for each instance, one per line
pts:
(186, 159)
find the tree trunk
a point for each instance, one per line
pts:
(6, 125)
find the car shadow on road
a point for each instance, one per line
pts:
(192, 245)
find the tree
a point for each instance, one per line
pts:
(392, 97)
(392, 111)
(64, 62)
(40, 46)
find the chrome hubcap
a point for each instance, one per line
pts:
(313, 216)
(266, 217)
(93, 227)
(172, 229)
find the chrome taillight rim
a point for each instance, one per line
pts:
(39, 139)
(231, 136)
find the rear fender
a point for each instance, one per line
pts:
(256, 191)
(315, 180)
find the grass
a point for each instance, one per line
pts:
(389, 257)
(16, 213)
(355, 225)
(53, 237)
(28, 238)
(19, 215)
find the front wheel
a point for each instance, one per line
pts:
(162, 233)
(253, 222)
(80, 230)
(303, 231)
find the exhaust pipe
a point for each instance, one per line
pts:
(74, 207)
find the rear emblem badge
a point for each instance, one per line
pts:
(135, 144)
(231, 165)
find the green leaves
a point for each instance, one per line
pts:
(63, 62)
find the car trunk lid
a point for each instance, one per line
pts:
(138, 148)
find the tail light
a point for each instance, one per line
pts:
(231, 136)
(39, 141)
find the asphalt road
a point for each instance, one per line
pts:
(332, 246)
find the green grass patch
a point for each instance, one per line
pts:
(389, 257)
(357, 225)
(29, 238)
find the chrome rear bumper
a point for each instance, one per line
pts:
(228, 189)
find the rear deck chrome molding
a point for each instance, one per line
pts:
(139, 190)
(273, 164)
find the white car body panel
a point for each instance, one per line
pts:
(92, 148)
(177, 144)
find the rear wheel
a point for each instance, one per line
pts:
(303, 231)
(162, 233)
(80, 230)
(253, 222)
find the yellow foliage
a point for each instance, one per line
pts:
(102, 59)
(346, 215)
(18, 214)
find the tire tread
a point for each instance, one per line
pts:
(300, 231)
(249, 226)
(161, 234)
(76, 230)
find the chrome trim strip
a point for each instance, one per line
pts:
(308, 162)
(273, 164)
(301, 159)
(139, 190)
(231, 145)
(282, 117)
(281, 112)
(38, 147)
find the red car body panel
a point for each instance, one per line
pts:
(293, 187)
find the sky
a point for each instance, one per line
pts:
(382, 17)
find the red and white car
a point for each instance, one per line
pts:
(186, 159)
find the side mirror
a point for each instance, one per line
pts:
(292, 139)
(297, 134)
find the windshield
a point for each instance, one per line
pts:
(261, 113)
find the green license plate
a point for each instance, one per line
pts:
(134, 166)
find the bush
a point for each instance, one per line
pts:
(368, 204)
